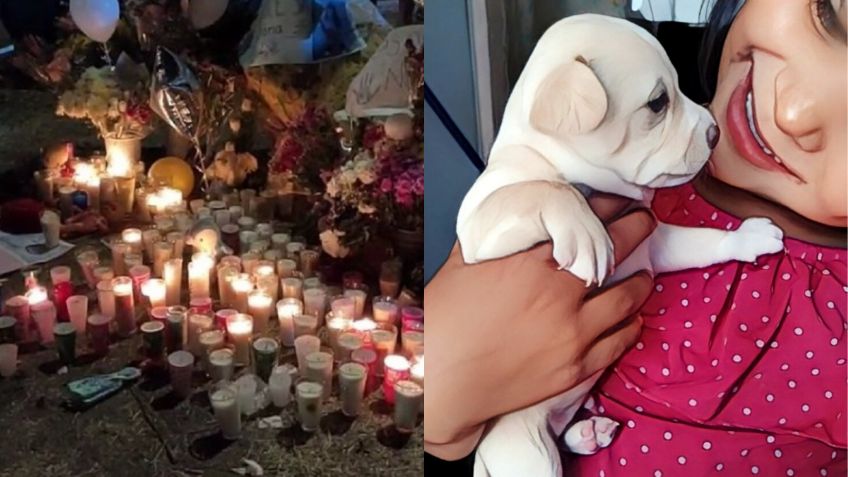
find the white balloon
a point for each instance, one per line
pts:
(96, 18)
(204, 13)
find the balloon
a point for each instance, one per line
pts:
(96, 18)
(173, 172)
(173, 93)
(204, 13)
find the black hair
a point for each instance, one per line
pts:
(718, 24)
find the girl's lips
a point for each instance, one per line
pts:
(741, 135)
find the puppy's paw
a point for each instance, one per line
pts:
(582, 246)
(754, 237)
(591, 435)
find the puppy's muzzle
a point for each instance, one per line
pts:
(713, 134)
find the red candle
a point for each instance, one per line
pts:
(139, 275)
(61, 292)
(221, 317)
(396, 368)
(124, 306)
(200, 305)
(98, 333)
(412, 318)
(368, 358)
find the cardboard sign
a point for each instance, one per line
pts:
(382, 88)
(300, 32)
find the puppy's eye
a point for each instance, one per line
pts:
(659, 103)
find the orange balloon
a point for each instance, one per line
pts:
(173, 172)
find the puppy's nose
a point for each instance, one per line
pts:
(712, 136)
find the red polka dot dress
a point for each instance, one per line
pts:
(740, 368)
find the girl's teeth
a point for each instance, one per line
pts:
(749, 109)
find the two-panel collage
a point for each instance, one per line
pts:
(222, 223)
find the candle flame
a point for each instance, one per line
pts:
(396, 362)
(36, 295)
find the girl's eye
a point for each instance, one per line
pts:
(827, 17)
(659, 103)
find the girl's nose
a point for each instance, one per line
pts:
(797, 113)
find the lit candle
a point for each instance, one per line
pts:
(336, 325)
(92, 189)
(198, 277)
(385, 310)
(162, 252)
(62, 289)
(177, 241)
(292, 287)
(352, 379)
(319, 369)
(412, 343)
(396, 369)
(363, 328)
(210, 341)
(200, 305)
(132, 237)
(305, 325)
(412, 318)
(416, 372)
(198, 324)
(44, 315)
(259, 306)
(347, 344)
(239, 331)
(343, 306)
(88, 260)
(172, 272)
(241, 288)
(409, 398)
(384, 344)
(124, 305)
(309, 404)
(315, 303)
(155, 290)
(139, 275)
(181, 364)
(287, 308)
(304, 346)
(36, 295)
(223, 315)
(359, 296)
(106, 298)
(119, 248)
(231, 261)
(225, 405)
(249, 260)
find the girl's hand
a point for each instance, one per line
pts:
(508, 333)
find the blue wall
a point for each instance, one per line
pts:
(447, 172)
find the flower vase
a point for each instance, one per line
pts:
(409, 244)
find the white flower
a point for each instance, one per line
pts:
(332, 245)
(367, 177)
(348, 177)
(332, 188)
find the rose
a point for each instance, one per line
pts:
(386, 185)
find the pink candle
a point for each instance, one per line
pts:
(396, 368)
(221, 317)
(62, 289)
(412, 318)
(44, 316)
(368, 358)
(139, 275)
(98, 333)
(124, 305)
(200, 305)
(18, 307)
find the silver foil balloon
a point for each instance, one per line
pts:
(173, 93)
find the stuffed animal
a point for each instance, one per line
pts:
(231, 167)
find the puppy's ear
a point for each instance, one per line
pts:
(570, 101)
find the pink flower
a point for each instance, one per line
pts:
(386, 185)
(418, 188)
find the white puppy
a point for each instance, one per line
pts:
(597, 107)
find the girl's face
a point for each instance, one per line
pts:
(781, 105)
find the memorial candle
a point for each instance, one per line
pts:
(162, 252)
(153, 333)
(106, 298)
(396, 369)
(409, 399)
(139, 275)
(309, 404)
(368, 358)
(249, 260)
(88, 260)
(225, 405)
(384, 344)
(176, 331)
(198, 276)
(133, 238)
(279, 241)
(149, 238)
(412, 318)
(239, 332)
(309, 262)
(363, 328)
(336, 325)
(198, 324)
(319, 369)
(226, 274)
(209, 341)
(303, 347)
(62, 289)
(292, 287)
(44, 315)
(177, 241)
(305, 325)
(265, 351)
(412, 343)
(119, 248)
(220, 364)
(155, 291)
(359, 296)
(385, 310)
(315, 304)
(347, 344)
(259, 307)
(173, 274)
(18, 307)
(343, 306)
(241, 288)
(222, 315)
(180, 365)
(78, 311)
(390, 275)
(416, 372)
(124, 305)
(352, 380)
(286, 267)
(279, 386)
(287, 308)
(98, 333)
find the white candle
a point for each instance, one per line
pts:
(78, 311)
(124, 305)
(241, 286)
(177, 241)
(132, 237)
(225, 404)
(279, 385)
(236, 212)
(319, 369)
(352, 377)
(279, 241)
(292, 287)
(220, 364)
(409, 398)
(172, 272)
(198, 324)
(336, 325)
(92, 188)
(309, 405)
(106, 298)
(347, 344)
(344, 306)
(309, 262)
(155, 290)
(315, 303)
(198, 277)
(363, 328)
(384, 344)
(287, 308)
(286, 267)
(119, 248)
(412, 343)
(44, 315)
(240, 330)
(149, 238)
(305, 325)
(246, 387)
(226, 274)
(259, 306)
(162, 252)
(416, 372)
(359, 296)
(210, 341)
(304, 346)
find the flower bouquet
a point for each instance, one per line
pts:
(306, 150)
